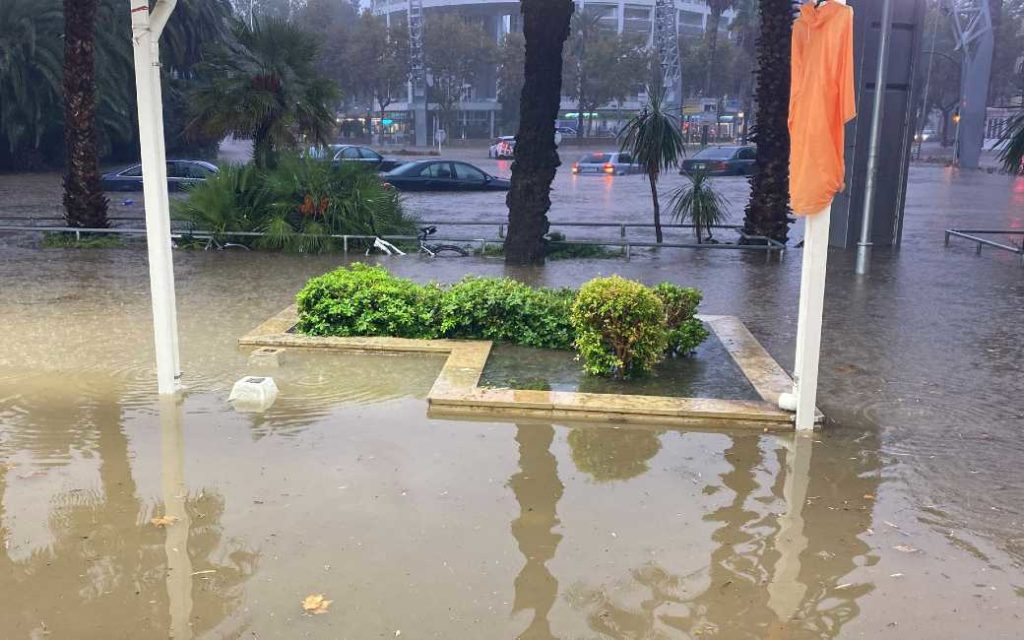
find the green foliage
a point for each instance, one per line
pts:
(298, 204)
(87, 241)
(1011, 145)
(505, 310)
(263, 84)
(699, 203)
(620, 327)
(685, 331)
(454, 52)
(511, 62)
(368, 301)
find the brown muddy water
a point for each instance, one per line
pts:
(902, 519)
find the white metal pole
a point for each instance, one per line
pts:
(146, 29)
(809, 321)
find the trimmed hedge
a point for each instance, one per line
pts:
(619, 327)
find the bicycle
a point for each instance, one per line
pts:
(434, 251)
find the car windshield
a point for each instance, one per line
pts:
(411, 168)
(596, 158)
(716, 153)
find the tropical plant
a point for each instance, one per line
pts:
(545, 28)
(84, 202)
(1011, 145)
(656, 143)
(298, 205)
(699, 203)
(263, 85)
(620, 327)
(767, 211)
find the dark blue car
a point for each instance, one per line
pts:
(180, 175)
(722, 161)
(443, 175)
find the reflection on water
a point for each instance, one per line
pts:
(608, 453)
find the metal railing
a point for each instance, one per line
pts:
(974, 235)
(763, 244)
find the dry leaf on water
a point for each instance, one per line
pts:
(315, 603)
(164, 521)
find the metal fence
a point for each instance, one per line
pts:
(976, 236)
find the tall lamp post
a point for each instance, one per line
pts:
(146, 29)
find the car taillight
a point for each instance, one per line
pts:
(575, 167)
(721, 165)
(609, 167)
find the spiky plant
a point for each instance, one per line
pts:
(1011, 145)
(699, 203)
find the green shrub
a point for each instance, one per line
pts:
(368, 301)
(87, 241)
(685, 331)
(620, 327)
(505, 310)
(298, 205)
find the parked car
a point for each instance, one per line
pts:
(180, 175)
(722, 161)
(338, 153)
(503, 148)
(613, 163)
(443, 175)
(569, 132)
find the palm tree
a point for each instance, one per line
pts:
(264, 86)
(715, 10)
(30, 71)
(545, 29)
(84, 202)
(1011, 145)
(654, 140)
(701, 204)
(767, 212)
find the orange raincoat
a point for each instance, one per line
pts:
(821, 101)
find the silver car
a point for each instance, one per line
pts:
(610, 163)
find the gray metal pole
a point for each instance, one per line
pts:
(881, 74)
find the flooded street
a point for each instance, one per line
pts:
(903, 518)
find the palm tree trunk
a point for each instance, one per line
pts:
(84, 202)
(545, 28)
(767, 212)
(658, 236)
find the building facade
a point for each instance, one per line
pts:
(479, 110)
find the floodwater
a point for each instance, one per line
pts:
(904, 518)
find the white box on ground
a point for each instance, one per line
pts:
(253, 394)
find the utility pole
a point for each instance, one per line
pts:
(666, 43)
(146, 30)
(975, 40)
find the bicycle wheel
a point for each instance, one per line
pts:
(448, 251)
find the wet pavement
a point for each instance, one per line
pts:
(904, 518)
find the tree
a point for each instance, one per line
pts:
(767, 212)
(511, 57)
(1011, 145)
(585, 26)
(454, 53)
(611, 69)
(715, 10)
(656, 143)
(264, 86)
(84, 202)
(545, 29)
(381, 56)
(699, 203)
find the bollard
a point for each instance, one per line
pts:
(344, 244)
(622, 231)
(501, 230)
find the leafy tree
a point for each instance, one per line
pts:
(610, 69)
(585, 26)
(454, 53)
(381, 57)
(656, 143)
(715, 10)
(511, 58)
(767, 212)
(264, 86)
(84, 202)
(545, 29)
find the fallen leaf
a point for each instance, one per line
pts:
(164, 521)
(315, 604)
(868, 496)
(905, 548)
